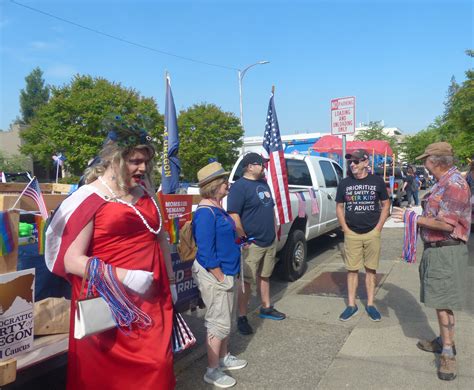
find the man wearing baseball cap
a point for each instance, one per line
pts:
(444, 228)
(362, 208)
(251, 205)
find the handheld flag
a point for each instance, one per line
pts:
(277, 174)
(33, 191)
(171, 167)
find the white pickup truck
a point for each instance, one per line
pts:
(304, 172)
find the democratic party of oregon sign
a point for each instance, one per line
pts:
(343, 115)
(17, 292)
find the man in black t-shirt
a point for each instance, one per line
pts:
(251, 205)
(362, 208)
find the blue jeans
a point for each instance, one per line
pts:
(415, 198)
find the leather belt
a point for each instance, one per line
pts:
(438, 244)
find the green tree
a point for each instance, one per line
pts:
(71, 122)
(415, 145)
(458, 126)
(375, 132)
(35, 95)
(13, 162)
(205, 131)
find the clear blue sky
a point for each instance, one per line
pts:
(396, 57)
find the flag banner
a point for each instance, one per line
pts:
(41, 231)
(301, 205)
(6, 235)
(314, 201)
(33, 191)
(174, 230)
(59, 159)
(276, 173)
(171, 167)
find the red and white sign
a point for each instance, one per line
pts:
(343, 115)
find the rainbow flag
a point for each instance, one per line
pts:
(41, 227)
(174, 230)
(6, 235)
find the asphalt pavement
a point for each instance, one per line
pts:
(312, 349)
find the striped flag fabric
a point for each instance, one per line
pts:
(277, 176)
(33, 191)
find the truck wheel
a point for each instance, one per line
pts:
(293, 257)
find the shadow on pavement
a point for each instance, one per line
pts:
(407, 309)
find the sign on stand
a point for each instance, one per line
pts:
(180, 206)
(17, 300)
(343, 122)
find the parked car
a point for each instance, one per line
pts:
(398, 194)
(18, 177)
(304, 172)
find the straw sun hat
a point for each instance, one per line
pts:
(210, 173)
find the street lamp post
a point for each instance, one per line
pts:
(241, 76)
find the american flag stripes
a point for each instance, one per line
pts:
(33, 191)
(276, 172)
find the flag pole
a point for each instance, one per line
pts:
(373, 160)
(18, 199)
(57, 170)
(385, 165)
(273, 90)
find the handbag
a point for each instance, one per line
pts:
(93, 314)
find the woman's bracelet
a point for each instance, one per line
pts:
(172, 280)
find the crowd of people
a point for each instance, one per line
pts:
(115, 220)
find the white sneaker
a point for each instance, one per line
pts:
(230, 362)
(217, 378)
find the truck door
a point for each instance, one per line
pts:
(329, 194)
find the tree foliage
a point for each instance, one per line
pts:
(13, 162)
(455, 126)
(375, 132)
(71, 121)
(205, 132)
(35, 95)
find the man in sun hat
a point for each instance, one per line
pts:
(362, 208)
(444, 228)
(251, 205)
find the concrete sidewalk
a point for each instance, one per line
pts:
(312, 349)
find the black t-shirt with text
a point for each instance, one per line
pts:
(361, 198)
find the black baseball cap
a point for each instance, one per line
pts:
(252, 158)
(358, 154)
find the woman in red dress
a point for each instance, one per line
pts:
(116, 219)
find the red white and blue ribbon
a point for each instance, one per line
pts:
(182, 337)
(314, 202)
(410, 236)
(103, 280)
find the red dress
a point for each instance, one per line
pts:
(113, 360)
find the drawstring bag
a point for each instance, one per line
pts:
(187, 247)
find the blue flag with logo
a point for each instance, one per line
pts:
(171, 167)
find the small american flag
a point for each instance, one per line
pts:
(33, 191)
(277, 175)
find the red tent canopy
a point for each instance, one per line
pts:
(333, 144)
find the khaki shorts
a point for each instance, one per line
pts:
(218, 298)
(258, 261)
(443, 274)
(362, 250)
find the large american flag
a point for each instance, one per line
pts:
(33, 191)
(276, 172)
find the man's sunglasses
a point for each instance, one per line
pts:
(356, 162)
